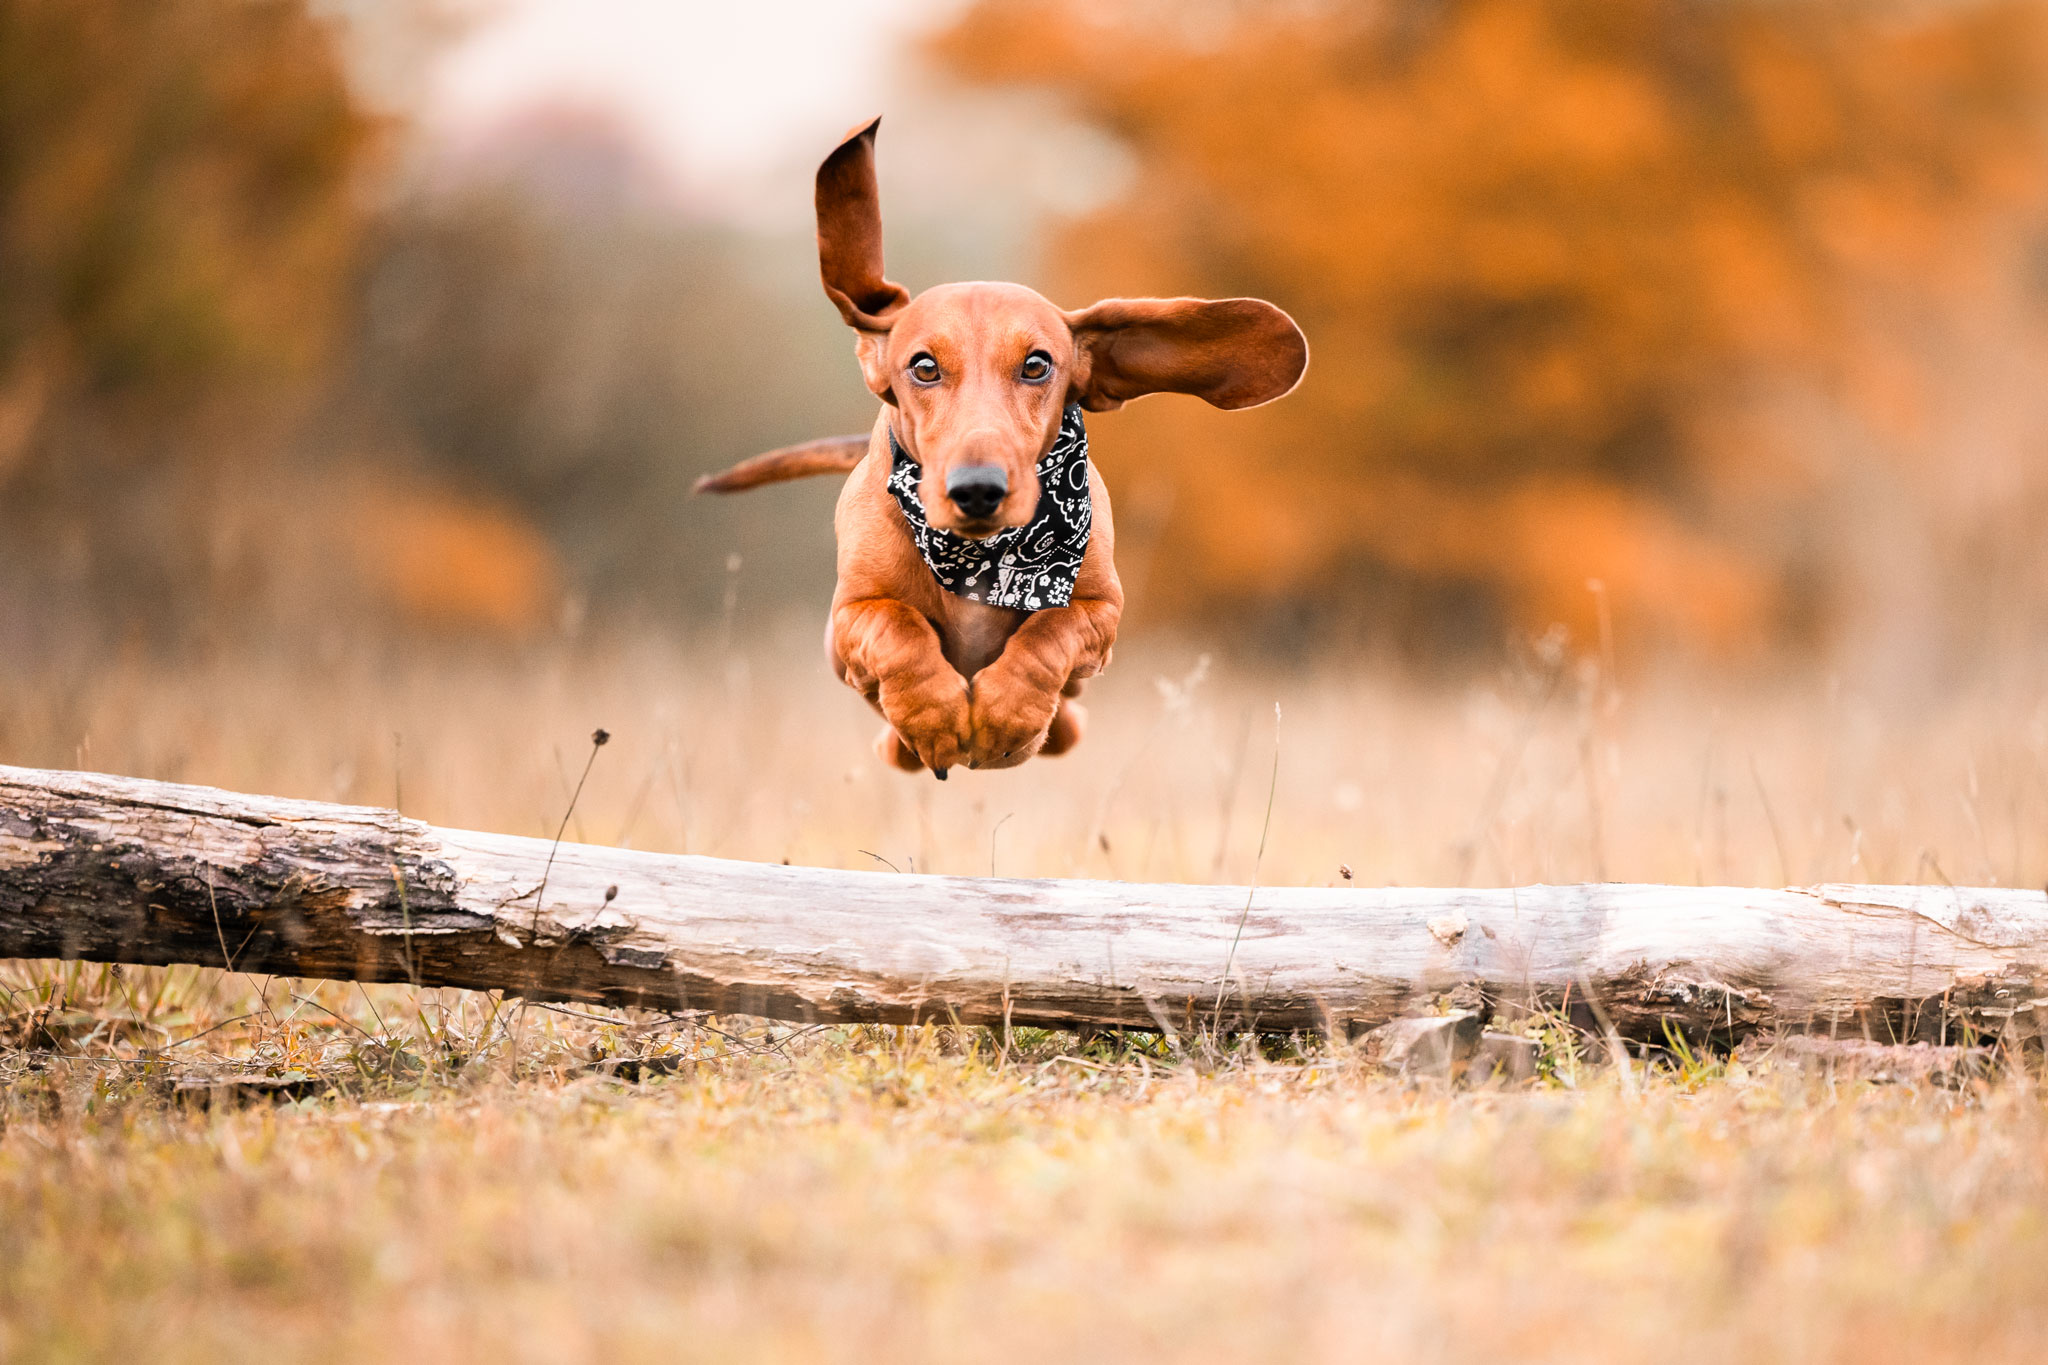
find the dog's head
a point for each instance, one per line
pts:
(979, 374)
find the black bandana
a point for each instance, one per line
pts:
(1027, 567)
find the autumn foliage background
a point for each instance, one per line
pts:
(1709, 331)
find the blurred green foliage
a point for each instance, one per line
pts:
(258, 375)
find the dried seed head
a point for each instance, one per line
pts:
(611, 894)
(600, 737)
(1345, 869)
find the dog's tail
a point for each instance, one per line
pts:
(829, 455)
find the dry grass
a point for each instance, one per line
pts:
(1545, 772)
(864, 1200)
(457, 1179)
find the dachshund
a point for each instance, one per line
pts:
(977, 584)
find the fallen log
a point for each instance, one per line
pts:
(115, 869)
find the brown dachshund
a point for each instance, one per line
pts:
(977, 586)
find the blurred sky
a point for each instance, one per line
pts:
(731, 106)
(722, 93)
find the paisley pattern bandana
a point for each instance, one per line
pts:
(1029, 567)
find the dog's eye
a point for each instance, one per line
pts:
(1037, 368)
(924, 370)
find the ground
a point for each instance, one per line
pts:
(450, 1174)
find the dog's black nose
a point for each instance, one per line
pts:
(977, 489)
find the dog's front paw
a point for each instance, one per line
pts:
(1009, 718)
(932, 719)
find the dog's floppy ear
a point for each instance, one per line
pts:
(1234, 353)
(850, 235)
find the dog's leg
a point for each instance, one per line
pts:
(890, 748)
(890, 654)
(1069, 723)
(1017, 699)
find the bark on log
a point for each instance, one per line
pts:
(117, 869)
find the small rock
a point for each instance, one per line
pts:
(1466, 995)
(1432, 1045)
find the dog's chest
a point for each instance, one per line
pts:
(973, 634)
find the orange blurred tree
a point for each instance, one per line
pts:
(1577, 276)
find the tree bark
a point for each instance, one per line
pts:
(114, 869)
